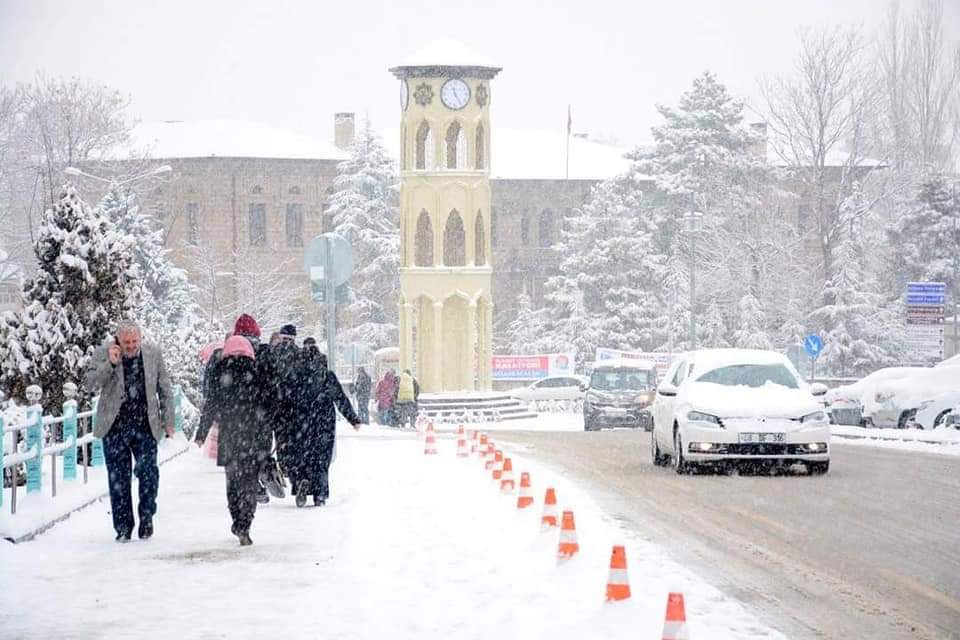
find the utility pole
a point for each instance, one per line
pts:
(956, 268)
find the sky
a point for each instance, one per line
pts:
(294, 63)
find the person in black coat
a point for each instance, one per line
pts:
(361, 387)
(322, 397)
(236, 403)
(284, 383)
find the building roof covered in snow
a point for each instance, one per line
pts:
(225, 139)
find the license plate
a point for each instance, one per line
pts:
(746, 438)
(615, 411)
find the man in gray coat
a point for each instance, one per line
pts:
(135, 408)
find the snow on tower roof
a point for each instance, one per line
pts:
(225, 139)
(446, 53)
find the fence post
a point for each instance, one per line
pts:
(96, 447)
(178, 408)
(70, 431)
(34, 439)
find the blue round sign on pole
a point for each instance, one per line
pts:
(813, 345)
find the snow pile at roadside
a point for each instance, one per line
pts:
(38, 510)
(409, 546)
(942, 440)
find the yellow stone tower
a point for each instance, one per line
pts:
(446, 307)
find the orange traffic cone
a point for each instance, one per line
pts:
(497, 464)
(618, 584)
(460, 430)
(568, 546)
(675, 625)
(430, 446)
(507, 485)
(525, 499)
(549, 518)
(474, 438)
(430, 427)
(462, 451)
(490, 456)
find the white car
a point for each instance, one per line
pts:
(846, 403)
(933, 413)
(572, 387)
(738, 405)
(895, 402)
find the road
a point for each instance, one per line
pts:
(871, 550)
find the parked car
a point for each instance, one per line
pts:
(845, 403)
(932, 413)
(571, 387)
(952, 421)
(735, 405)
(619, 394)
(895, 402)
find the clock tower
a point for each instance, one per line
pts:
(446, 306)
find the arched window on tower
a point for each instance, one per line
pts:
(424, 147)
(481, 147)
(423, 242)
(480, 242)
(454, 243)
(455, 147)
(546, 228)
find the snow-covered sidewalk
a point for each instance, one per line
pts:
(409, 546)
(944, 441)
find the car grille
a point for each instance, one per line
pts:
(762, 449)
(849, 417)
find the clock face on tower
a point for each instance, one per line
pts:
(404, 96)
(455, 94)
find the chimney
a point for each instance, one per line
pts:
(343, 130)
(759, 129)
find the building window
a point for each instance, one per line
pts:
(294, 225)
(257, 224)
(193, 223)
(424, 147)
(423, 242)
(454, 244)
(546, 228)
(524, 229)
(803, 216)
(480, 244)
(455, 147)
(294, 191)
(257, 189)
(481, 148)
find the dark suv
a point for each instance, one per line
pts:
(619, 395)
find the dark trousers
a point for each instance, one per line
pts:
(406, 412)
(316, 464)
(363, 408)
(242, 488)
(119, 444)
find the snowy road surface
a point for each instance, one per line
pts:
(871, 550)
(409, 547)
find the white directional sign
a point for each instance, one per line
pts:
(925, 306)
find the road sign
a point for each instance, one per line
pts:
(341, 255)
(318, 293)
(926, 287)
(925, 311)
(926, 300)
(813, 345)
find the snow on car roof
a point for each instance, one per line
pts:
(706, 359)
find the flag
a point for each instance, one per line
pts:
(569, 120)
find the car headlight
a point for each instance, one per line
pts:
(816, 416)
(644, 398)
(698, 416)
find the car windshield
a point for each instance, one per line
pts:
(751, 375)
(620, 380)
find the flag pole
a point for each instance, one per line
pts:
(567, 166)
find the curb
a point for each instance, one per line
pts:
(886, 439)
(27, 537)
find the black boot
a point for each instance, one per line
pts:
(145, 530)
(123, 536)
(302, 492)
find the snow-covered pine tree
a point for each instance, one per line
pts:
(84, 285)
(365, 212)
(168, 310)
(752, 325)
(525, 332)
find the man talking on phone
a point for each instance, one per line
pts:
(135, 408)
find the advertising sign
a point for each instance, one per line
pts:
(534, 367)
(660, 359)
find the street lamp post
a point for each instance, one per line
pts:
(693, 221)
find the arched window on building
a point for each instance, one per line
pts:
(454, 242)
(525, 228)
(480, 242)
(481, 148)
(423, 242)
(455, 147)
(257, 189)
(546, 228)
(294, 190)
(424, 147)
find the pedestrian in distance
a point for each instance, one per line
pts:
(361, 387)
(323, 396)
(135, 408)
(386, 391)
(408, 395)
(237, 405)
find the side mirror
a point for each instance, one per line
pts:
(818, 389)
(667, 390)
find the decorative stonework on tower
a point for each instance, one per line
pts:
(446, 308)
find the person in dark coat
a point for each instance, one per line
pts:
(286, 395)
(236, 404)
(361, 387)
(322, 397)
(386, 390)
